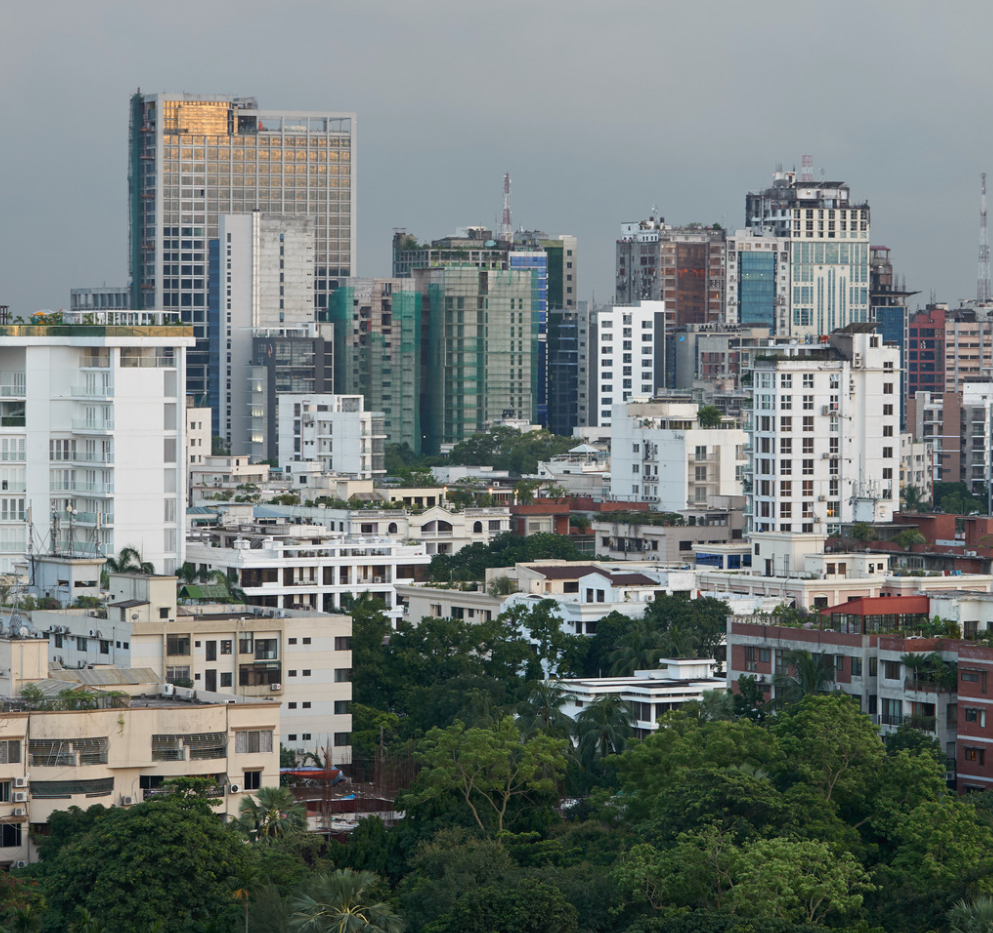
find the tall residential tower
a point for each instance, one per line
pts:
(193, 158)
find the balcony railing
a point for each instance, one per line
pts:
(95, 457)
(95, 489)
(85, 424)
(13, 390)
(12, 421)
(927, 686)
(100, 391)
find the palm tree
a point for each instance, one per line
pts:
(807, 673)
(129, 561)
(637, 649)
(603, 728)
(913, 499)
(272, 814)
(542, 712)
(976, 917)
(338, 901)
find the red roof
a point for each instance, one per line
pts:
(882, 606)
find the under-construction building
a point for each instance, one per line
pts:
(377, 351)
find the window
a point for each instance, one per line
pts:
(786, 423)
(226, 680)
(976, 715)
(808, 381)
(887, 453)
(751, 663)
(808, 467)
(226, 646)
(80, 644)
(177, 644)
(291, 706)
(210, 650)
(887, 410)
(342, 643)
(104, 646)
(342, 675)
(891, 670)
(246, 644)
(10, 835)
(10, 752)
(252, 780)
(785, 469)
(305, 672)
(856, 667)
(246, 743)
(887, 430)
(341, 707)
(808, 422)
(977, 755)
(306, 641)
(887, 388)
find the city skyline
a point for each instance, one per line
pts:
(586, 149)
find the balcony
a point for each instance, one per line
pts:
(15, 389)
(92, 457)
(12, 421)
(93, 489)
(94, 426)
(90, 518)
(93, 391)
(928, 686)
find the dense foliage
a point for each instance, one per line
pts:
(504, 550)
(507, 449)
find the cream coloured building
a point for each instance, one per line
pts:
(121, 748)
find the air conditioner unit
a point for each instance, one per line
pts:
(127, 801)
(21, 781)
(20, 863)
(168, 690)
(20, 811)
(301, 751)
(275, 687)
(234, 788)
(822, 498)
(377, 579)
(20, 796)
(825, 456)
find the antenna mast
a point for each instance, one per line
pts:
(807, 175)
(983, 284)
(506, 231)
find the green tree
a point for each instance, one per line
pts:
(639, 648)
(913, 499)
(797, 880)
(542, 711)
(709, 416)
(807, 674)
(271, 815)
(129, 561)
(864, 532)
(169, 859)
(908, 538)
(603, 728)
(370, 628)
(487, 768)
(832, 746)
(531, 906)
(975, 916)
(342, 901)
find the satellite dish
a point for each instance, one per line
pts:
(22, 631)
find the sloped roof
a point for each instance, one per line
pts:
(204, 591)
(104, 676)
(569, 573)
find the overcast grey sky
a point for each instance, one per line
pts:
(598, 110)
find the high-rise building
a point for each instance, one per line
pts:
(194, 158)
(264, 267)
(756, 290)
(825, 434)
(829, 249)
(682, 266)
(480, 350)
(630, 355)
(568, 368)
(377, 351)
(92, 428)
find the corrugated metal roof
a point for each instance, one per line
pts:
(105, 676)
(203, 591)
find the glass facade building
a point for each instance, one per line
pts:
(757, 289)
(193, 159)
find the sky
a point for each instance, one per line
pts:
(598, 110)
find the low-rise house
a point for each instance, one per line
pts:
(667, 538)
(650, 694)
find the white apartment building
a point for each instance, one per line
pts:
(268, 274)
(441, 530)
(213, 476)
(279, 565)
(650, 694)
(301, 660)
(825, 434)
(660, 454)
(198, 440)
(630, 356)
(92, 437)
(829, 249)
(917, 465)
(333, 430)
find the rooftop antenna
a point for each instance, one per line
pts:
(807, 174)
(506, 230)
(983, 291)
